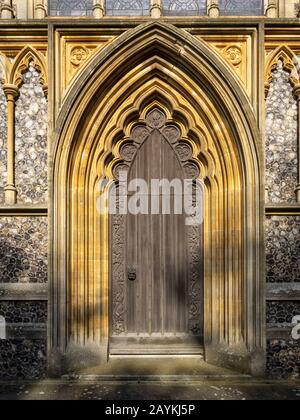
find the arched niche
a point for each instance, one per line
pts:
(157, 64)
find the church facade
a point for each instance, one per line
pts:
(204, 90)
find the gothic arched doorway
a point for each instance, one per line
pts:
(156, 254)
(158, 65)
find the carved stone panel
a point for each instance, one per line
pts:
(118, 273)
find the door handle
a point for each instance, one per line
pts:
(131, 274)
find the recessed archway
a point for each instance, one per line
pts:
(158, 64)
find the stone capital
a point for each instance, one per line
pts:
(296, 91)
(214, 9)
(11, 91)
(99, 9)
(7, 10)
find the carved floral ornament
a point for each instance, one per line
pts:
(79, 55)
(289, 62)
(156, 120)
(13, 71)
(233, 54)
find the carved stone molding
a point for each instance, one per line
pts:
(156, 120)
(7, 9)
(21, 64)
(235, 52)
(76, 53)
(289, 61)
(118, 273)
(272, 9)
(213, 8)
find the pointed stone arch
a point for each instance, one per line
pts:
(158, 64)
(290, 64)
(21, 64)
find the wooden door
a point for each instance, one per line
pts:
(156, 259)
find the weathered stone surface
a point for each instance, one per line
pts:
(23, 359)
(3, 139)
(283, 359)
(24, 312)
(282, 312)
(31, 140)
(286, 291)
(23, 291)
(281, 139)
(23, 249)
(283, 249)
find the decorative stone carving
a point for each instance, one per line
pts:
(3, 142)
(122, 167)
(195, 286)
(79, 55)
(234, 51)
(171, 133)
(128, 152)
(118, 274)
(28, 56)
(139, 134)
(76, 54)
(156, 119)
(288, 59)
(191, 171)
(184, 151)
(233, 54)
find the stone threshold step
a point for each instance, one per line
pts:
(153, 378)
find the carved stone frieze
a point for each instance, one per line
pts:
(76, 52)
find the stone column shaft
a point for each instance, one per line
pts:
(272, 9)
(156, 8)
(7, 10)
(99, 9)
(40, 9)
(11, 93)
(213, 8)
(297, 94)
